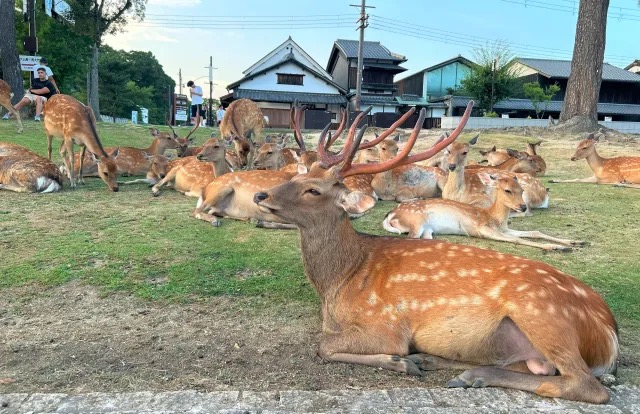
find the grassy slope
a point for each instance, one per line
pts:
(151, 247)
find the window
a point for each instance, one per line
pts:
(289, 79)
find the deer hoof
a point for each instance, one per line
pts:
(216, 223)
(260, 224)
(155, 193)
(457, 382)
(579, 243)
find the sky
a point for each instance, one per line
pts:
(183, 34)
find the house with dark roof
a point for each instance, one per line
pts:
(285, 75)
(633, 66)
(380, 65)
(438, 80)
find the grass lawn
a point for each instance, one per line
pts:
(151, 248)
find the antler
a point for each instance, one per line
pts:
(295, 117)
(328, 160)
(173, 131)
(388, 132)
(343, 123)
(403, 158)
(192, 130)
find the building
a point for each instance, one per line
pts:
(634, 66)
(380, 65)
(285, 75)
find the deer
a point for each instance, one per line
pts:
(24, 171)
(191, 175)
(413, 305)
(67, 118)
(540, 162)
(183, 149)
(497, 157)
(6, 93)
(518, 162)
(242, 119)
(620, 171)
(424, 218)
(131, 161)
(158, 168)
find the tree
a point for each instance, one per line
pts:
(493, 79)
(580, 107)
(537, 95)
(8, 49)
(96, 19)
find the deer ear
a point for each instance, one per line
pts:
(147, 156)
(267, 139)
(494, 149)
(356, 202)
(94, 157)
(154, 132)
(302, 169)
(487, 179)
(473, 140)
(397, 138)
(115, 153)
(513, 153)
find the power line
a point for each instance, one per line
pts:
(574, 10)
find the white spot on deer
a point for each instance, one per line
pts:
(451, 253)
(487, 270)
(439, 275)
(522, 287)
(510, 306)
(515, 271)
(463, 300)
(454, 247)
(477, 300)
(536, 312)
(441, 301)
(580, 291)
(494, 292)
(565, 312)
(530, 307)
(414, 304)
(562, 288)
(463, 272)
(542, 293)
(551, 309)
(439, 246)
(426, 305)
(373, 299)
(423, 250)
(466, 250)
(369, 313)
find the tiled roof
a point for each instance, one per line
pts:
(562, 68)
(379, 100)
(554, 106)
(281, 96)
(370, 50)
(388, 66)
(409, 99)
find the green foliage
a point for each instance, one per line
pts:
(490, 114)
(493, 79)
(538, 96)
(94, 20)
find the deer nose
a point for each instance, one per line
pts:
(452, 167)
(258, 197)
(573, 158)
(199, 157)
(162, 175)
(523, 207)
(115, 189)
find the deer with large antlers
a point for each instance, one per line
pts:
(67, 118)
(414, 305)
(24, 171)
(5, 100)
(191, 175)
(424, 218)
(621, 171)
(242, 119)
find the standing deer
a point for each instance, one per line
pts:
(393, 303)
(24, 171)
(242, 119)
(67, 118)
(5, 100)
(424, 218)
(622, 171)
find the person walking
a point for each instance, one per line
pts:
(219, 114)
(195, 92)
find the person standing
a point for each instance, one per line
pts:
(196, 101)
(41, 90)
(49, 73)
(219, 114)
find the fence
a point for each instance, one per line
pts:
(112, 120)
(450, 122)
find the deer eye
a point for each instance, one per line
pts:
(507, 191)
(270, 152)
(313, 191)
(465, 153)
(106, 174)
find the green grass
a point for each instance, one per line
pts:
(150, 247)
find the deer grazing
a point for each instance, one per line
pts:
(67, 118)
(414, 305)
(242, 119)
(424, 218)
(191, 174)
(621, 171)
(5, 100)
(24, 171)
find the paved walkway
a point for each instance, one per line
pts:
(624, 399)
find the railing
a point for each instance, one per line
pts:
(112, 120)
(380, 86)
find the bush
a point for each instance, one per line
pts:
(490, 114)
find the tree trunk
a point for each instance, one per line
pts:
(9, 52)
(94, 102)
(580, 107)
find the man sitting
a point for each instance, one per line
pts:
(41, 90)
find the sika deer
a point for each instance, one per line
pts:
(74, 122)
(242, 119)
(157, 170)
(621, 171)
(542, 165)
(5, 100)
(514, 322)
(424, 218)
(24, 171)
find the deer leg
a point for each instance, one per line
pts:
(342, 347)
(592, 180)
(167, 178)
(81, 178)
(273, 225)
(16, 188)
(427, 362)
(15, 113)
(49, 143)
(65, 149)
(496, 235)
(210, 203)
(627, 185)
(539, 235)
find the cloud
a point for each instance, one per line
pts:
(174, 3)
(139, 38)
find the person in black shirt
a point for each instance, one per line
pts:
(41, 90)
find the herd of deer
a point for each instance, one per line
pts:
(404, 305)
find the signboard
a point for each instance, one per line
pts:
(48, 7)
(182, 107)
(134, 117)
(29, 63)
(608, 118)
(144, 114)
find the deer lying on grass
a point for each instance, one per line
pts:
(242, 119)
(424, 218)
(513, 322)
(190, 175)
(24, 171)
(621, 171)
(5, 100)
(518, 162)
(158, 168)
(130, 160)
(496, 157)
(67, 118)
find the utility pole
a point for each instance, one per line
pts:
(363, 23)
(31, 12)
(180, 80)
(210, 110)
(494, 65)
